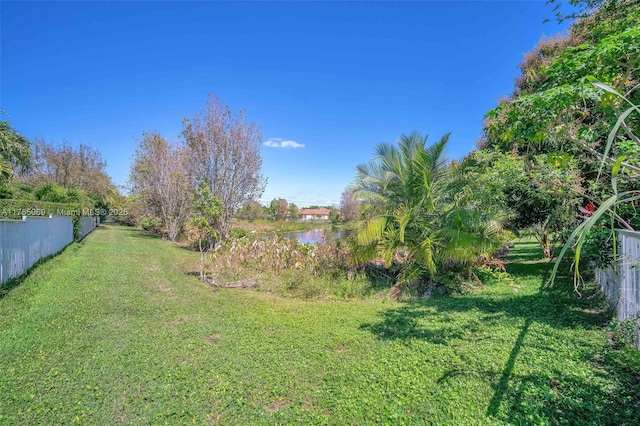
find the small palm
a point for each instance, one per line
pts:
(412, 205)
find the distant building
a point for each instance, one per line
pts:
(320, 213)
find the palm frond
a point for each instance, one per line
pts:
(437, 152)
(370, 231)
(426, 254)
(404, 216)
(386, 250)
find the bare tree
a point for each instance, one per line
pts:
(158, 175)
(224, 149)
(79, 168)
(349, 206)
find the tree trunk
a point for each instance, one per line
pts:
(201, 260)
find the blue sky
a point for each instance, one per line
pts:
(330, 79)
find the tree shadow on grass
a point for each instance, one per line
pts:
(445, 320)
(442, 320)
(557, 306)
(139, 233)
(541, 270)
(503, 384)
(530, 251)
(403, 323)
(552, 307)
(560, 398)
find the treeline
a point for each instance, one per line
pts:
(53, 173)
(551, 151)
(44, 178)
(278, 209)
(281, 210)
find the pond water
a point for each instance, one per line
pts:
(312, 237)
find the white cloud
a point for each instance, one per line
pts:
(291, 144)
(279, 143)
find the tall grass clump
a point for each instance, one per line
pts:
(287, 267)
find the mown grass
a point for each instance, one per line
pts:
(116, 331)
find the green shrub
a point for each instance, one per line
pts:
(238, 233)
(51, 192)
(5, 192)
(152, 224)
(16, 190)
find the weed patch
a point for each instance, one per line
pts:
(286, 267)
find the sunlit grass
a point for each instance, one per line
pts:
(116, 330)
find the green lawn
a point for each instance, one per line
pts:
(116, 330)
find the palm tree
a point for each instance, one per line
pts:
(402, 189)
(14, 149)
(413, 208)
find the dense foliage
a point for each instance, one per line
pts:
(620, 208)
(559, 123)
(415, 214)
(14, 151)
(541, 193)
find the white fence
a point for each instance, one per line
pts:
(24, 242)
(622, 285)
(88, 224)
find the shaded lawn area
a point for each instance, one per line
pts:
(116, 330)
